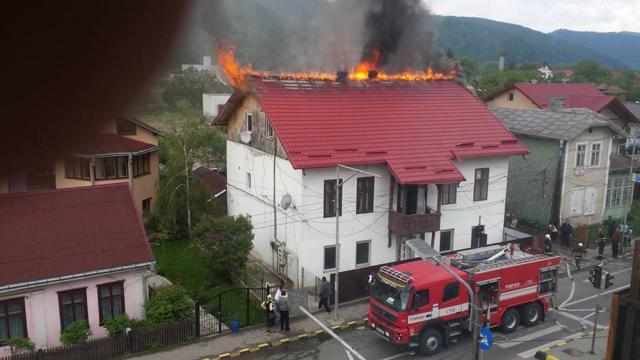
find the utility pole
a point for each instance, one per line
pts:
(276, 266)
(627, 205)
(595, 323)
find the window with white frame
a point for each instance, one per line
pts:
(268, 128)
(581, 154)
(596, 150)
(617, 191)
(249, 180)
(248, 126)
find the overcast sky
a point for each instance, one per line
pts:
(549, 15)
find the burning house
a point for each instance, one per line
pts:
(441, 158)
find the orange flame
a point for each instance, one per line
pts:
(236, 74)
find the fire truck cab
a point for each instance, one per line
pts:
(419, 303)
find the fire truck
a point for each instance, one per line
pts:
(420, 303)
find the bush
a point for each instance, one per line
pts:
(76, 332)
(20, 344)
(118, 324)
(169, 304)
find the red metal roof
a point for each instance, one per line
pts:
(417, 128)
(55, 233)
(102, 144)
(584, 95)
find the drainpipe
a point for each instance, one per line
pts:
(92, 170)
(131, 172)
(559, 188)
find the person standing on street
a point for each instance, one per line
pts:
(565, 231)
(552, 231)
(602, 241)
(612, 228)
(270, 310)
(283, 306)
(616, 239)
(323, 294)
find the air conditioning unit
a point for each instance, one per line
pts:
(245, 137)
(578, 171)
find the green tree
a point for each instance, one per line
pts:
(590, 71)
(167, 305)
(182, 198)
(187, 88)
(76, 332)
(226, 240)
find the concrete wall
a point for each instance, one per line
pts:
(532, 180)
(43, 312)
(211, 102)
(589, 179)
(520, 101)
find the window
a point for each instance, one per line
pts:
(618, 190)
(146, 205)
(12, 319)
(73, 306)
(595, 154)
(449, 193)
(269, 129)
(112, 168)
(126, 127)
(364, 196)
(451, 291)
(446, 240)
(329, 257)
(110, 300)
(76, 168)
(249, 122)
(362, 252)
(141, 165)
(511, 96)
(249, 180)
(330, 198)
(581, 154)
(423, 298)
(481, 184)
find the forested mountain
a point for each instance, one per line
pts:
(622, 46)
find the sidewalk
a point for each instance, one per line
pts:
(580, 347)
(590, 258)
(256, 338)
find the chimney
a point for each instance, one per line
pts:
(342, 76)
(556, 103)
(501, 63)
(373, 74)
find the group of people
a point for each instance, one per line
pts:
(566, 230)
(279, 305)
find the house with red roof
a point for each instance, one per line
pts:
(126, 150)
(414, 159)
(68, 255)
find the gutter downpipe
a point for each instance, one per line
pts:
(560, 185)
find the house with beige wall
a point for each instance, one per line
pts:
(126, 150)
(565, 175)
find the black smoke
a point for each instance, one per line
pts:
(403, 31)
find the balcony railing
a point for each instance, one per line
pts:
(413, 224)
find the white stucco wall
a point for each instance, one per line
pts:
(210, 103)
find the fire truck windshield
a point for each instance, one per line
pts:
(394, 297)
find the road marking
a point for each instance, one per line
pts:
(396, 356)
(530, 353)
(594, 296)
(578, 319)
(537, 334)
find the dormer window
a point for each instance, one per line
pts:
(511, 96)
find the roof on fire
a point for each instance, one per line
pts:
(562, 124)
(419, 129)
(65, 232)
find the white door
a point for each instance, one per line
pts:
(577, 202)
(590, 201)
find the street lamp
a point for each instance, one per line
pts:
(337, 211)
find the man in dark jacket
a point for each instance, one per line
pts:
(616, 239)
(324, 293)
(283, 306)
(565, 232)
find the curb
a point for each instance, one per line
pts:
(565, 342)
(286, 341)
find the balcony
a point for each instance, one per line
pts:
(413, 224)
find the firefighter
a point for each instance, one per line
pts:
(602, 241)
(547, 244)
(577, 253)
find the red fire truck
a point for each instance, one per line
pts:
(419, 303)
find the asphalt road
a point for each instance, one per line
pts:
(575, 318)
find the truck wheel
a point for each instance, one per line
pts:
(430, 342)
(510, 321)
(531, 314)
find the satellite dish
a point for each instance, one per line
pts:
(286, 201)
(245, 136)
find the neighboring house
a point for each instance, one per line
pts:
(68, 255)
(205, 66)
(213, 180)
(212, 104)
(537, 96)
(440, 156)
(620, 185)
(566, 172)
(126, 150)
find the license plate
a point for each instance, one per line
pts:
(380, 330)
